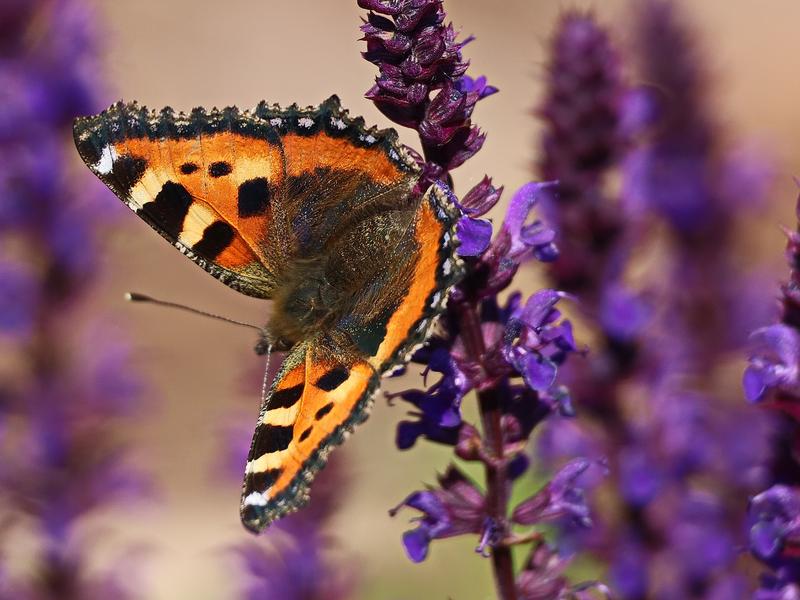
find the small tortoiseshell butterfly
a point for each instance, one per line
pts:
(312, 210)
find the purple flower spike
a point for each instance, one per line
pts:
(457, 507)
(422, 82)
(509, 356)
(581, 141)
(71, 390)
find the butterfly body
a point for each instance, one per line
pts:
(312, 210)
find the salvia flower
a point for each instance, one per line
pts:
(771, 379)
(580, 145)
(422, 82)
(775, 363)
(507, 355)
(559, 498)
(776, 529)
(453, 508)
(646, 398)
(543, 578)
(63, 458)
(439, 408)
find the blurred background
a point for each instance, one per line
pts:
(200, 377)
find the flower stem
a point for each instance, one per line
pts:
(496, 477)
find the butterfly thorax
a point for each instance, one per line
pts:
(319, 290)
(305, 304)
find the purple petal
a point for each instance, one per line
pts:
(622, 313)
(523, 201)
(474, 235)
(754, 384)
(386, 7)
(428, 503)
(539, 373)
(407, 434)
(416, 543)
(766, 540)
(539, 308)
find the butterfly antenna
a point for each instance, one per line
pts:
(265, 383)
(136, 297)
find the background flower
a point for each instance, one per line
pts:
(646, 396)
(62, 458)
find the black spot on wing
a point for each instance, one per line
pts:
(189, 168)
(286, 397)
(306, 433)
(333, 379)
(271, 438)
(169, 208)
(262, 481)
(219, 168)
(216, 237)
(324, 411)
(127, 171)
(253, 197)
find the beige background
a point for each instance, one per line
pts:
(186, 53)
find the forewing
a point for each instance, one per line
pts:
(207, 182)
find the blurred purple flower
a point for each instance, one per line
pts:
(18, 300)
(297, 559)
(580, 145)
(648, 393)
(780, 586)
(65, 458)
(775, 363)
(776, 527)
(623, 314)
(290, 569)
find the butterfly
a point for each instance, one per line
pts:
(314, 211)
